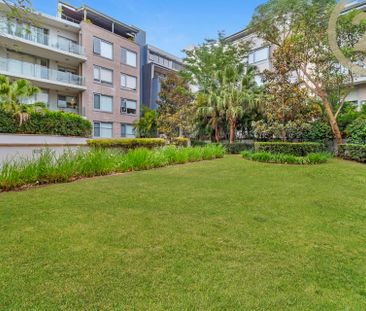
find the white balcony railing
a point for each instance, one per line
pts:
(30, 70)
(37, 36)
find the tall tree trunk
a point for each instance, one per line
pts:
(332, 121)
(217, 133)
(232, 131)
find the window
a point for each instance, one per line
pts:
(258, 80)
(128, 106)
(258, 55)
(67, 45)
(128, 82)
(103, 75)
(103, 103)
(128, 57)
(103, 129)
(127, 131)
(65, 101)
(103, 48)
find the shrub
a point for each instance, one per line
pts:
(46, 122)
(312, 158)
(237, 148)
(127, 143)
(199, 143)
(319, 131)
(352, 152)
(356, 131)
(179, 141)
(47, 168)
(296, 149)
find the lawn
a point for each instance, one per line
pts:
(227, 234)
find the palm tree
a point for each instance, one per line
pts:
(239, 94)
(147, 125)
(13, 93)
(211, 111)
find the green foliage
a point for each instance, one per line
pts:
(237, 148)
(14, 93)
(310, 159)
(295, 149)
(179, 141)
(45, 122)
(352, 152)
(318, 131)
(127, 143)
(49, 168)
(147, 125)
(356, 131)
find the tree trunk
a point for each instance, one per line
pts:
(332, 121)
(232, 132)
(217, 133)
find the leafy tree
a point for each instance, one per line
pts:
(298, 29)
(175, 112)
(20, 10)
(147, 125)
(287, 107)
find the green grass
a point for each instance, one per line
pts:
(219, 235)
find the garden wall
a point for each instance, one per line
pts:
(17, 146)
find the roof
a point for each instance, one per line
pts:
(163, 53)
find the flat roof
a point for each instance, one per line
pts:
(163, 53)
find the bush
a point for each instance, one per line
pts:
(356, 131)
(127, 143)
(46, 122)
(310, 159)
(352, 152)
(319, 131)
(237, 148)
(296, 149)
(199, 143)
(47, 168)
(179, 141)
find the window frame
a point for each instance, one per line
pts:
(100, 96)
(253, 53)
(130, 51)
(100, 68)
(100, 48)
(100, 128)
(125, 132)
(124, 110)
(125, 87)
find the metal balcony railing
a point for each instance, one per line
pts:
(30, 70)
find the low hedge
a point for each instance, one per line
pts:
(352, 152)
(279, 158)
(46, 122)
(179, 141)
(237, 148)
(127, 143)
(296, 149)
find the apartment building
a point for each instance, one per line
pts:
(156, 65)
(48, 55)
(261, 54)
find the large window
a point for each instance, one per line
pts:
(128, 106)
(103, 103)
(128, 57)
(127, 131)
(103, 48)
(103, 129)
(258, 55)
(65, 101)
(103, 75)
(128, 82)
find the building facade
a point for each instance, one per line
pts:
(88, 63)
(261, 57)
(156, 65)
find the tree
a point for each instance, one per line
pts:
(147, 125)
(175, 112)
(298, 29)
(20, 10)
(287, 108)
(238, 94)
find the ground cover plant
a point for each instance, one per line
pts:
(312, 158)
(215, 235)
(48, 168)
(352, 152)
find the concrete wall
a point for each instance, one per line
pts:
(17, 147)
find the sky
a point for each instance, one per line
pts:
(171, 25)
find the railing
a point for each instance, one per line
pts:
(16, 67)
(37, 36)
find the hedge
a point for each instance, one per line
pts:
(48, 122)
(179, 142)
(127, 143)
(237, 148)
(296, 149)
(352, 152)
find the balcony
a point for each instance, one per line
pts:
(38, 73)
(37, 37)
